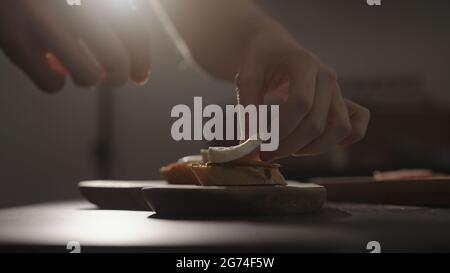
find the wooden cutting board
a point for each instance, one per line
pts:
(431, 191)
(181, 201)
(118, 195)
(178, 201)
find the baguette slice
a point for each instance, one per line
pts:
(179, 174)
(237, 174)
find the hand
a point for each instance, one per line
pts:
(314, 117)
(99, 41)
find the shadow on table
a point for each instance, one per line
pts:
(328, 214)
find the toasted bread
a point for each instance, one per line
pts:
(179, 174)
(237, 174)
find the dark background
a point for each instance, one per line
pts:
(394, 59)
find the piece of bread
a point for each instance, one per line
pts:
(229, 174)
(179, 174)
(246, 172)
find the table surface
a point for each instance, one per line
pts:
(338, 228)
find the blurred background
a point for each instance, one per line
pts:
(393, 59)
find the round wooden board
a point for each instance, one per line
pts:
(181, 201)
(117, 195)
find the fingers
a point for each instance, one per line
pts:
(137, 46)
(314, 124)
(314, 117)
(35, 63)
(359, 118)
(76, 58)
(302, 73)
(338, 127)
(343, 129)
(107, 49)
(135, 37)
(98, 46)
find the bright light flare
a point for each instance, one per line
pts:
(123, 5)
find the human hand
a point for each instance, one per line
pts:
(98, 42)
(314, 116)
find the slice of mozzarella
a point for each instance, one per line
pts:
(228, 154)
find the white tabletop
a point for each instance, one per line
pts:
(340, 227)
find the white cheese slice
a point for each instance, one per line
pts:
(228, 154)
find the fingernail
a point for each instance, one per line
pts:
(142, 80)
